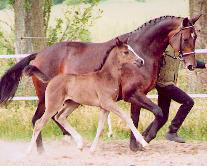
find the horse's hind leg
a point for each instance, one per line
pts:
(102, 118)
(61, 118)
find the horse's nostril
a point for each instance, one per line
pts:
(190, 67)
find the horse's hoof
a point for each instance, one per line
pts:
(135, 146)
(140, 147)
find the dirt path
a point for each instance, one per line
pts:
(111, 153)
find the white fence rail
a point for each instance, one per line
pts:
(18, 98)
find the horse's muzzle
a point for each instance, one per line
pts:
(190, 67)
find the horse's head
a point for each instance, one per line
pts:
(127, 54)
(183, 41)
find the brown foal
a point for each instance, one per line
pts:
(66, 92)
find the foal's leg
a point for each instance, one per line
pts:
(40, 91)
(146, 103)
(38, 127)
(112, 106)
(61, 117)
(102, 118)
(110, 133)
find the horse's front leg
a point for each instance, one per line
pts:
(141, 99)
(135, 113)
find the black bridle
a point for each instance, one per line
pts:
(181, 54)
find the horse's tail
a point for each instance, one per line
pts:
(31, 70)
(10, 80)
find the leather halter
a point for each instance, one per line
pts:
(181, 54)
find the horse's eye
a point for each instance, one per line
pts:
(185, 40)
(126, 52)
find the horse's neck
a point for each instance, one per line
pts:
(152, 40)
(111, 66)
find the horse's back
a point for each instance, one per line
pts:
(71, 57)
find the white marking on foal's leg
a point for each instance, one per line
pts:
(102, 118)
(38, 127)
(67, 138)
(112, 106)
(110, 133)
(76, 136)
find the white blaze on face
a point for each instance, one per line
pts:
(130, 49)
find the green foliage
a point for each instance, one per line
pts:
(3, 4)
(140, 0)
(55, 2)
(27, 5)
(76, 2)
(11, 2)
(6, 42)
(75, 25)
(46, 13)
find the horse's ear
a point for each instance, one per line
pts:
(185, 22)
(195, 18)
(118, 42)
(127, 40)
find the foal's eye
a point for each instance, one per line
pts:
(126, 52)
(185, 40)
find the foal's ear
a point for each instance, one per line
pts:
(195, 18)
(185, 22)
(119, 43)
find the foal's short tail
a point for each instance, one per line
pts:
(31, 70)
(10, 80)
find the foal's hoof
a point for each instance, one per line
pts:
(40, 150)
(80, 146)
(110, 135)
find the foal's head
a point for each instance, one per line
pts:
(126, 54)
(183, 40)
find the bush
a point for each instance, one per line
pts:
(55, 2)
(75, 25)
(76, 2)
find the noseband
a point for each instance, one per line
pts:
(181, 54)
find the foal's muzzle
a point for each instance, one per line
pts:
(139, 62)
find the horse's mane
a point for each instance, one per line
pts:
(105, 57)
(154, 22)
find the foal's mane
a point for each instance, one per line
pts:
(106, 56)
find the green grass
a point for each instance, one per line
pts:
(15, 122)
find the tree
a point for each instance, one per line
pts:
(31, 21)
(199, 7)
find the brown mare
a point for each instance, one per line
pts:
(65, 92)
(149, 41)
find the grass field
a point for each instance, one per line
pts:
(120, 16)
